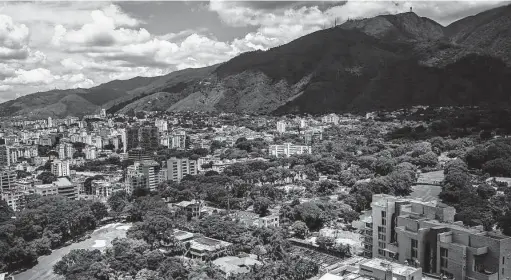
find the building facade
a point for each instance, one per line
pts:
(177, 168)
(287, 149)
(60, 168)
(424, 234)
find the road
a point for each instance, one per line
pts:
(100, 239)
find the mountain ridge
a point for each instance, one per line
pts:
(387, 61)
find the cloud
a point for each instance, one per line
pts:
(34, 76)
(5, 87)
(13, 39)
(104, 30)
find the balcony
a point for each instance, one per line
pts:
(478, 251)
(485, 275)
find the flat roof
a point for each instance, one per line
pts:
(382, 264)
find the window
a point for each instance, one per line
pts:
(381, 229)
(444, 254)
(381, 252)
(382, 237)
(382, 245)
(503, 260)
(414, 246)
(383, 214)
(383, 221)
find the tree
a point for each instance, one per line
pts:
(77, 264)
(485, 191)
(47, 177)
(99, 210)
(118, 201)
(300, 229)
(6, 212)
(261, 206)
(325, 242)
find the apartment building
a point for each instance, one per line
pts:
(143, 174)
(288, 149)
(179, 167)
(60, 168)
(424, 234)
(7, 178)
(281, 126)
(330, 119)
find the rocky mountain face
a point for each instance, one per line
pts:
(388, 61)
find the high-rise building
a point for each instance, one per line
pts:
(90, 152)
(4, 156)
(144, 174)
(66, 150)
(424, 234)
(7, 178)
(103, 113)
(149, 138)
(60, 168)
(132, 138)
(177, 168)
(50, 122)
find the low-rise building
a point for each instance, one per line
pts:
(287, 149)
(203, 247)
(231, 265)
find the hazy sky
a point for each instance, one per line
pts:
(47, 45)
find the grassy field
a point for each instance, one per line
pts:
(425, 192)
(100, 239)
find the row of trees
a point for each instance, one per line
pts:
(46, 223)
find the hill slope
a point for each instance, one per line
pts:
(383, 62)
(489, 30)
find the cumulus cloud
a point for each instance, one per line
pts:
(13, 39)
(34, 76)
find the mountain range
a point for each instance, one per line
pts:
(384, 62)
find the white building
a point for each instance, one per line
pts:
(162, 125)
(60, 168)
(90, 152)
(288, 149)
(281, 126)
(330, 119)
(177, 168)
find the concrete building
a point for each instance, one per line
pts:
(4, 156)
(281, 126)
(359, 268)
(176, 140)
(143, 174)
(191, 208)
(424, 234)
(50, 122)
(253, 219)
(15, 199)
(90, 152)
(330, 119)
(7, 179)
(66, 150)
(287, 149)
(232, 265)
(162, 125)
(60, 168)
(203, 247)
(177, 168)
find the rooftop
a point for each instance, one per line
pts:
(396, 268)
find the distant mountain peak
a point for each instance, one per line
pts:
(402, 26)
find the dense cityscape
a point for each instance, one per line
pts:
(225, 196)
